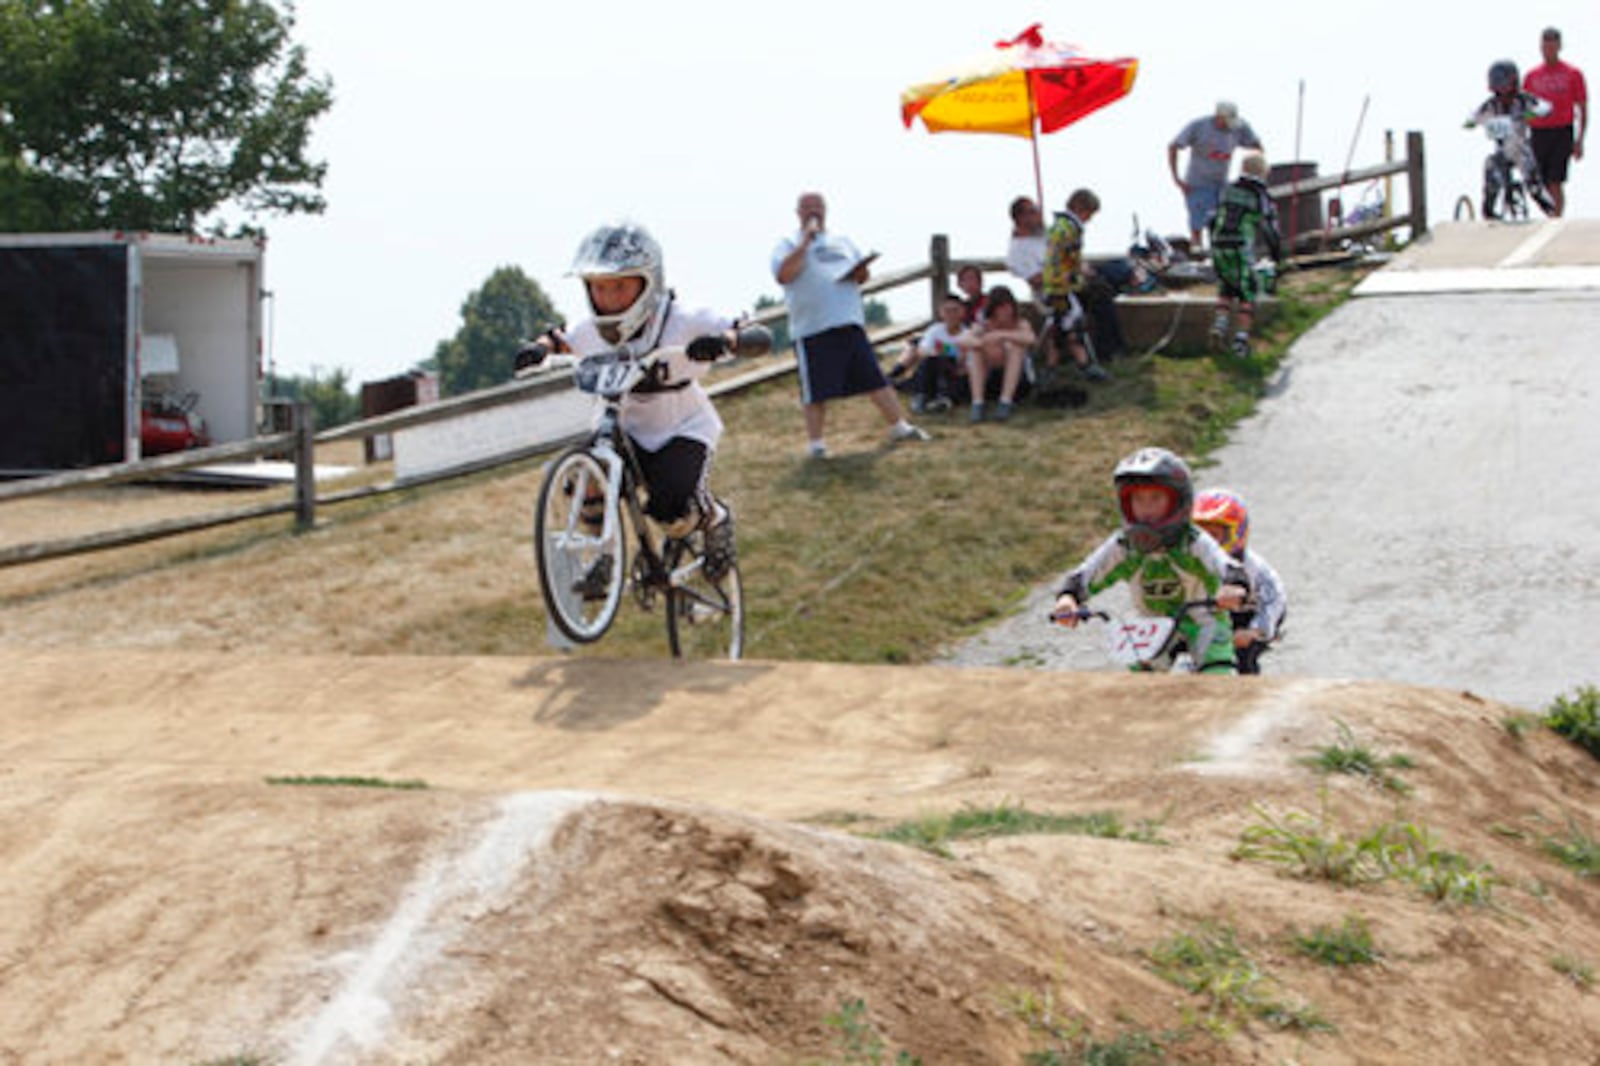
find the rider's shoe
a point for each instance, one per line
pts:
(1093, 372)
(721, 552)
(1241, 345)
(596, 584)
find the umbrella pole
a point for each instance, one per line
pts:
(1033, 139)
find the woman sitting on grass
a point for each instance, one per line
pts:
(1000, 344)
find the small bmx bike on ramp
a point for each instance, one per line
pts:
(590, 519)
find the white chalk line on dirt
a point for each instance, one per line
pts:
(1241, 750)
(361, 1009)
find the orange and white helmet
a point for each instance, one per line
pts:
(1221, 513)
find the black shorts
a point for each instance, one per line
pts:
(1552, 150)
(838, 362)
(675, 476)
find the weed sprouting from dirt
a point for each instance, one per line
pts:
(860, 1043)
(1577, 971)
(1349, 944)
(1211, 963)
(934, 833)
(1346, 756)
(326, 781)
(1578, 851)
(1069, 1042)
(1316, 848)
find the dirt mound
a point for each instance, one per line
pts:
(165, 901)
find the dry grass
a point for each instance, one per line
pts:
(878, 554)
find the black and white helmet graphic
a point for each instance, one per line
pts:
(623, 249)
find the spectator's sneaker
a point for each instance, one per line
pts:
(1002, 411)
(918, 404)
(907, 431)
(596, 584)
(1241, 345)
(1093, 371)
(977, 413)
(939, 405)
(816, 450)
(721, 552)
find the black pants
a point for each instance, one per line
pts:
(1099, 301)
(676, 477)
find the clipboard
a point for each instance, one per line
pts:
(844, 275)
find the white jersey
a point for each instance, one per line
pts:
(1267, 598)
(1025, 259)
(654, 418)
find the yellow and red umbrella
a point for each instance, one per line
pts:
(1022, 87)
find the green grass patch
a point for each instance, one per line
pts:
(1577, 717)
(1348, 944)
(935, 833)
(1316, 848)
(1575, 970)
(1519, 724)
(1347, 756)
(859, 1042)
(1068, 1042)
(1210, 963)
(1577, 851)
(332, 781)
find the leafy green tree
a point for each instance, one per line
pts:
(876, 313)
(331, 399)
(495, 320)
(154, 115)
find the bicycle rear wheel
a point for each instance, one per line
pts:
(581, 569)
(705, 617)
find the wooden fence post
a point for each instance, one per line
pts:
(939, 272)
(305, 476)
(1418, 182)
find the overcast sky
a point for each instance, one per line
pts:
(480, 133)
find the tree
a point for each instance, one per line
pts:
(332, 402)
(495, 320)
(154, 115)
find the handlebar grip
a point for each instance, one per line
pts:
(753, 340)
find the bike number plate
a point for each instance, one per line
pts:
(603, 375)
(1139, 641)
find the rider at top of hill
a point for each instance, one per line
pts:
(1510, 101)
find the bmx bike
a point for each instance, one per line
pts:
(590, 518)
(1145, 643)
(1504, 195)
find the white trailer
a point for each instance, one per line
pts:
(90, 323)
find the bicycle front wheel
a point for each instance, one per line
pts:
(705, 616)
(581, 550)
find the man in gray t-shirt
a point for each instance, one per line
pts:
(1211, 142)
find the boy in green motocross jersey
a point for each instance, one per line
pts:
(1166, 560)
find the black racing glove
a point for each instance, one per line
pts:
(707, 349)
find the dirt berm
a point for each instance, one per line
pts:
(655, 863)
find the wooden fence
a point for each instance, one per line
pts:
(300, 441)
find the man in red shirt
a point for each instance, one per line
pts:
(1558, 136)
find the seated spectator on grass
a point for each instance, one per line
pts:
(998, 348)
(938, 359)
(969, 280)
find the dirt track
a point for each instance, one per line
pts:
(617, 863)
(641, 863)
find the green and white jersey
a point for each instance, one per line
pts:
(1159, 582)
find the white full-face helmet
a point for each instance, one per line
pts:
(623, 249)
